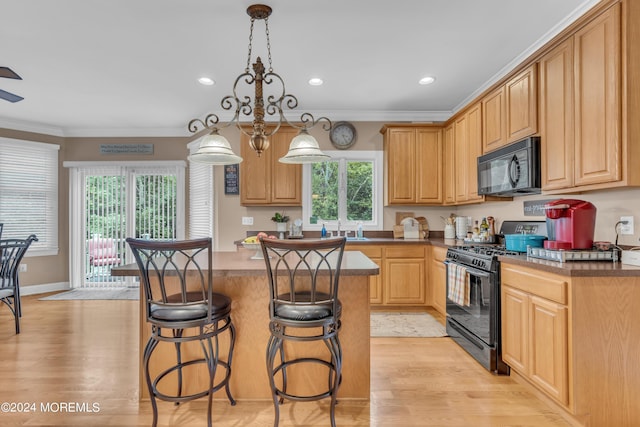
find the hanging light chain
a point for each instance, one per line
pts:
(266, 26)
(246, 70)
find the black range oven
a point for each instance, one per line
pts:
(475, 324)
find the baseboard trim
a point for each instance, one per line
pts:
(44, 288)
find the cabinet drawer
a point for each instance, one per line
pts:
(546, 285)
(405, 251)
(369, 250)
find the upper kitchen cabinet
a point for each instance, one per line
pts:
(556, 117)
(449, 164)
(467, 136)
(413, 164)
(597, 100)
(494, 120)
(264, 181)
(584, 130)
(510, 111)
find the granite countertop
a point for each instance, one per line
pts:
(570, 268)
(575, 268)
(354, 263)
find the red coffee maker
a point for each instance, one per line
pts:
(570, 224)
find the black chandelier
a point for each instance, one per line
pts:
(215, 149)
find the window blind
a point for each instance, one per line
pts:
(29, 193)
(200, 198)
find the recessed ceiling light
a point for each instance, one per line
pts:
(206, 81)
(315, 81)
(427, 80)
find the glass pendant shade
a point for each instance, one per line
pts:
(304, 149)
(214, 149)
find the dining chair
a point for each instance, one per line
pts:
(11, 253)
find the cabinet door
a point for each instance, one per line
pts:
(255, 173)
(429, 166)
(375, 284)
(438, 280)
(449, 165)
(474, 150)
(548, 366)
(515, 326)
(556, 117)
(266, 181)
(494, 124)
(400, 152)
(286, 179)
(461, 148)
(522, 104)
(597, 55)
(404, 281)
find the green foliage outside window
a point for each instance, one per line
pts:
(325, 187)
(155, 211)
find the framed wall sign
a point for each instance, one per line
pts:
(231, 179)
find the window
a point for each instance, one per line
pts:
(29, 193)
(348, 188)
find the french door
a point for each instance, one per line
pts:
(112, 202)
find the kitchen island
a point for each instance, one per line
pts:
(245, 281)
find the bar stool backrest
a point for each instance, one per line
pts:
(177, 280)
(304, 277)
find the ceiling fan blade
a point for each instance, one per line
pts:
(9, 73)
(10, 96)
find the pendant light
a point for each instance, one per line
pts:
(215, 149)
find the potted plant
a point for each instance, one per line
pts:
(281, 221)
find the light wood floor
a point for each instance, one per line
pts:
(86, 352)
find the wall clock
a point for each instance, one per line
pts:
(343, 135)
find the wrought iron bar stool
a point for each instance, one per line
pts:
(182, 307)
(304, 307)
(11, 253)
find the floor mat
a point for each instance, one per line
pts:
(385, 324)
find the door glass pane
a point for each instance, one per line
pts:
(105, 228)
(156, 206)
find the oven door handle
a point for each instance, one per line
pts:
(471, 270)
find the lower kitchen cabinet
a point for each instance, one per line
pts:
(575, 338)
(534, 340)
(404, 275)
(403, 279)
(438, 279)
(375, 282)
(534, 329)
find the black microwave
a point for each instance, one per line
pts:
(513, 170)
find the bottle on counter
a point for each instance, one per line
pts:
(484, 229)
(323, 232)
(360, 232)
(476, 230)
(492, 228)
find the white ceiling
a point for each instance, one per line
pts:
(129, 67)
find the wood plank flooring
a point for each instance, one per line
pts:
(85, 352)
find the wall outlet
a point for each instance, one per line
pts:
(22, 268)
(628, 227)
(247, 220)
